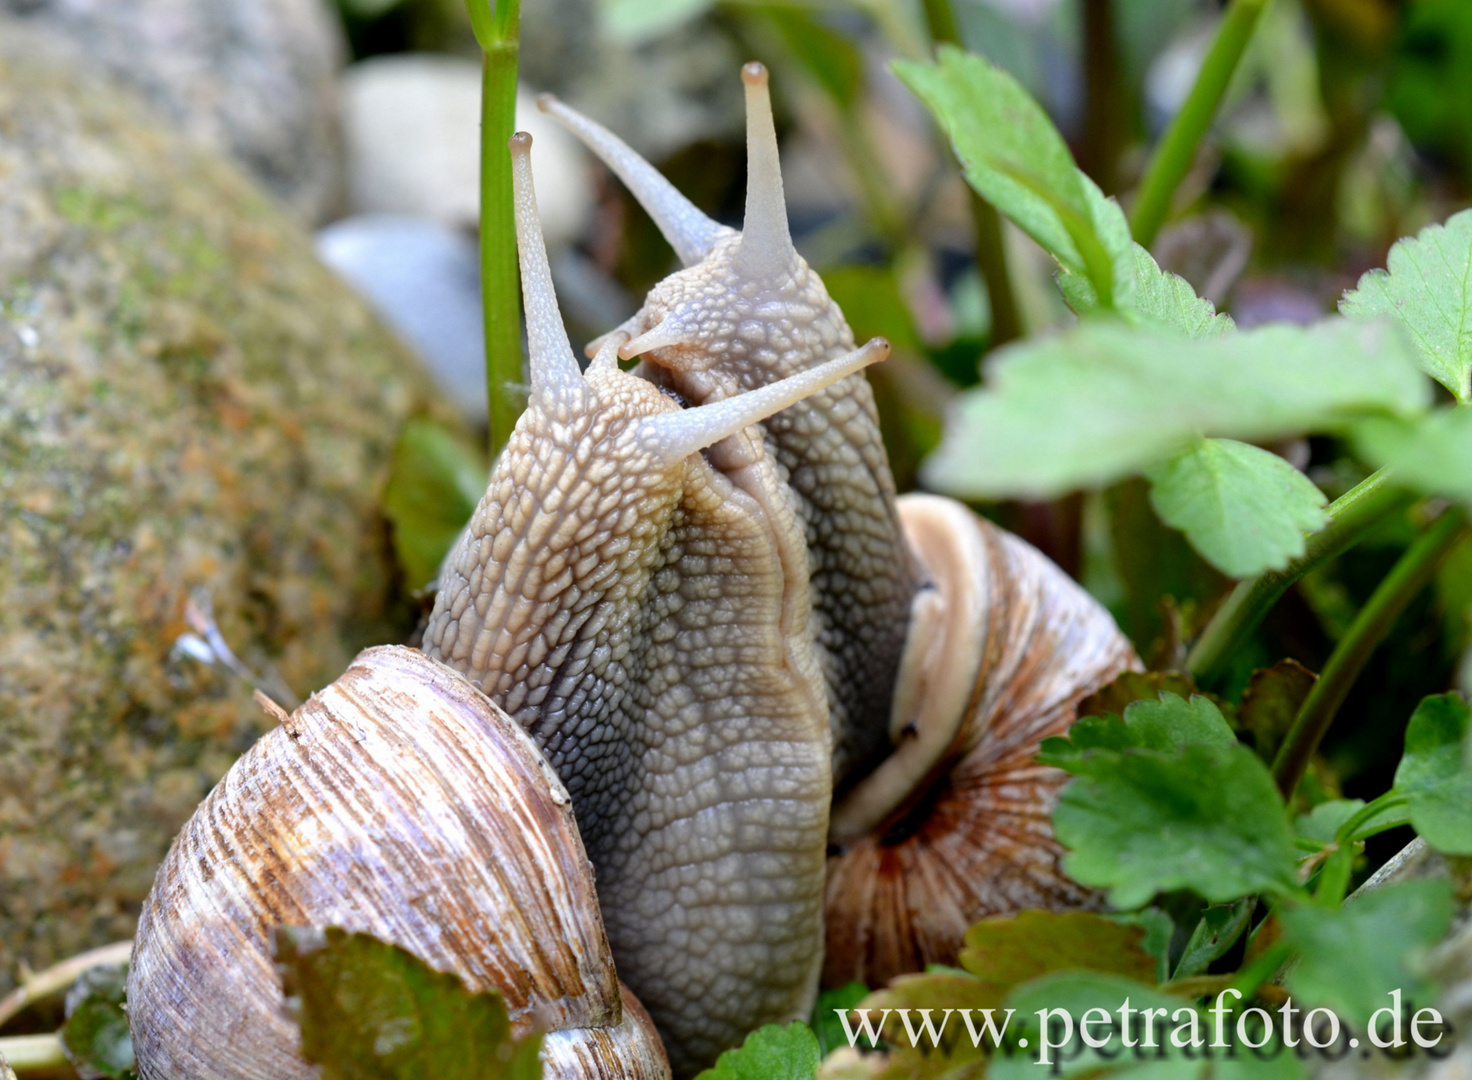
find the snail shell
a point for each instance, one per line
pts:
(955, 825)
(401, 803)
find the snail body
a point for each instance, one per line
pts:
(694, 593)
(746, 311)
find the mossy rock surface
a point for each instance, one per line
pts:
(188, 401)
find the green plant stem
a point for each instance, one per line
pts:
(1334, 877)
(1407, 578)
(498, 33)
(1177, 150)
(1351, 516)
(991, 252)
(1391, 800)
(33, 1053)
(1260, 970)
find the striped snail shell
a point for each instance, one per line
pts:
(955, 825)
(401, 803)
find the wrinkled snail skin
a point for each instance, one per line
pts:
(399, 802)
(642, 611)
(747, 311)
(950, 649)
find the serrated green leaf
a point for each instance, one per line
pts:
(1435, 773)
(1104, 400)
(1428, 288)
(1206, 818)
(1244, 509)
(95, 1037)
(369, 1010)
(433, 486)
(773, 1052)
(1170, 722)
(1271, 701)
(1352, 957)
(1159, 300)
(1166, 722)
(1016, 159)
(1432, 454)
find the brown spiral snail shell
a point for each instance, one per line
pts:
(693, 587)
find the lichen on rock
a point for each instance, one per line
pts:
(188, 401)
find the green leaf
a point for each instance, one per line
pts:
(433, 487)
(1012, 949)
(95, 1037)
(1351, 957)
(1171, 722)
(1243, 508)
(826, 1024)
(373, 1011)
(1220, 927)
(1432, 455)
(1324, 821)
(1166, 723)
(1428, 288)
(1206, 818)
(1159, 299)
(1271, 701)
(1435, 773)
(1015, 158)
(770, 1053)
(1104, 400)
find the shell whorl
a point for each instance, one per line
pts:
(401, 803)
(965, 831)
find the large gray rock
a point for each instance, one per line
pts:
(256, 80)
(190, 405)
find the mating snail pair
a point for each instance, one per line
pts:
(789, 717)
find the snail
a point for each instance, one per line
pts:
(695, 590)
(950, 648)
